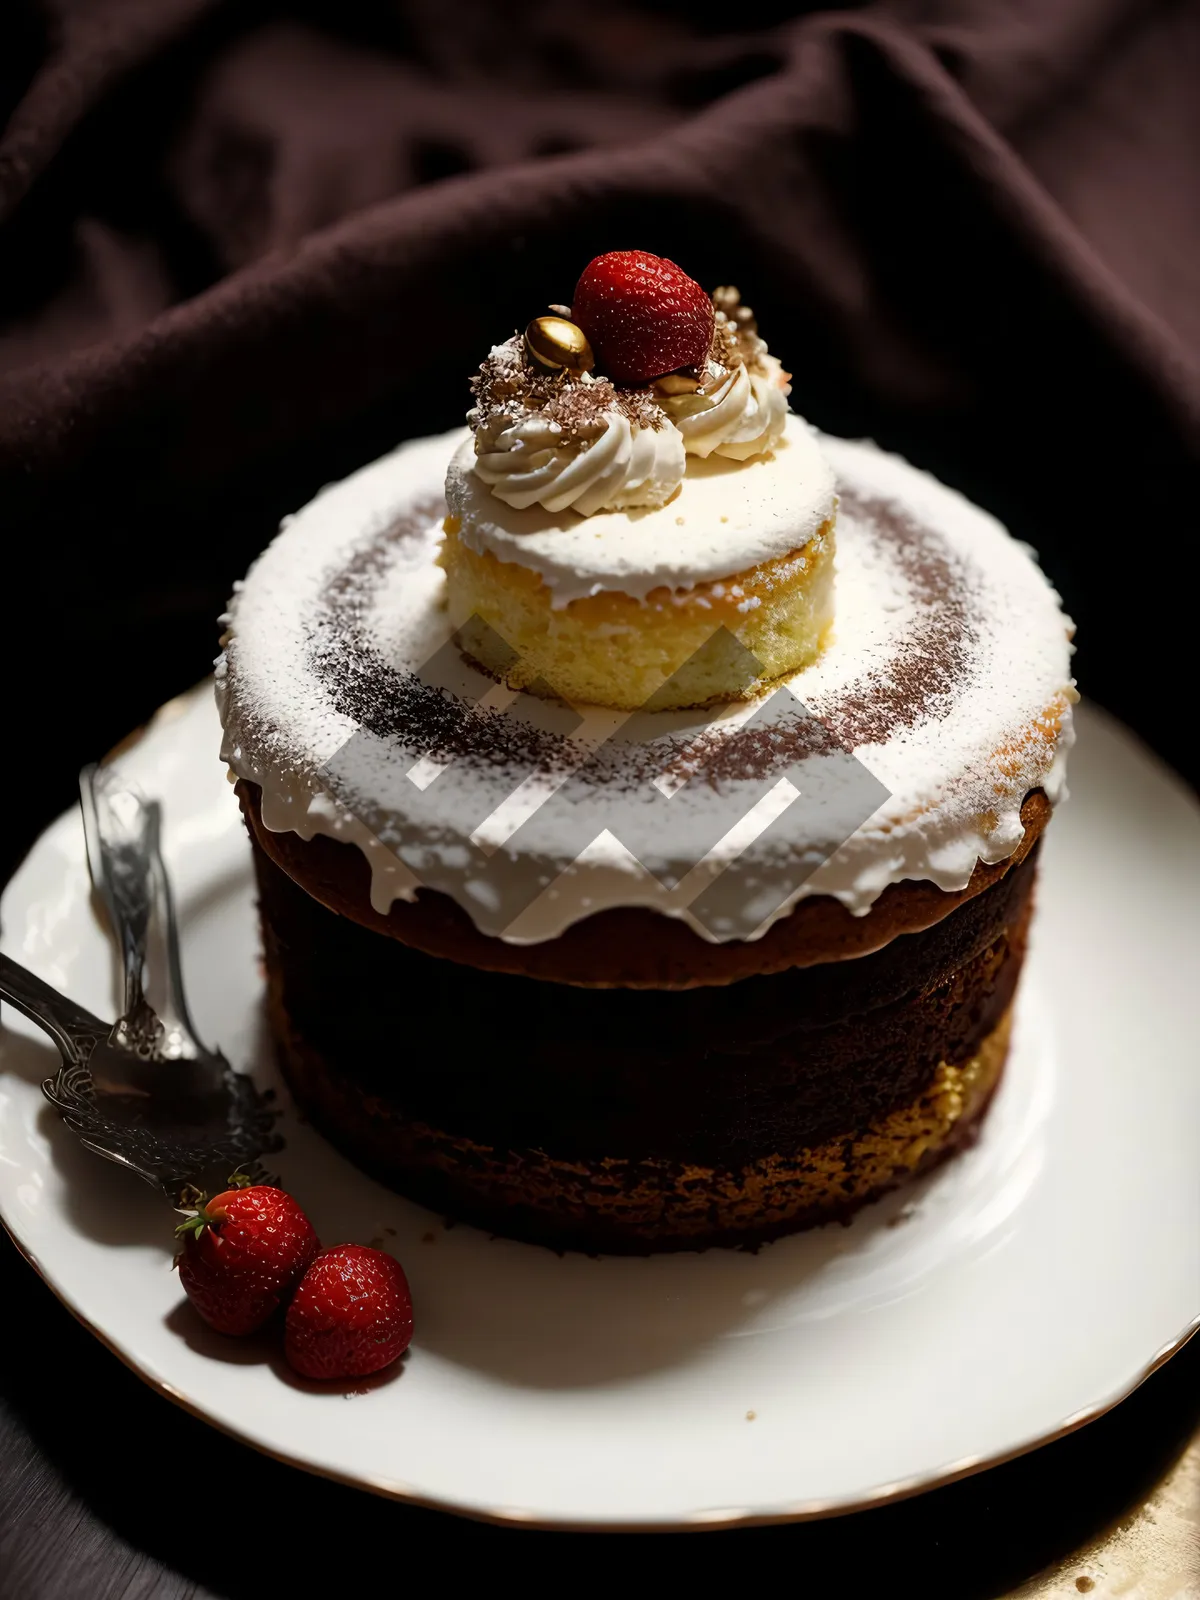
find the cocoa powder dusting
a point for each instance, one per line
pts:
(511, 386)
(922, 674)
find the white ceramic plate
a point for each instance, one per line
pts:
(1020, 1291)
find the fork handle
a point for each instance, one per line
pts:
(122, 831)
(118, 829)
(73, 1029)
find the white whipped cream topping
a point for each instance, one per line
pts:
(743, 416)
(725, 519)
(531, 461)
(957, 773)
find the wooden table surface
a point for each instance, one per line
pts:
(107, 1490)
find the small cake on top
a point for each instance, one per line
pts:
(634, 484)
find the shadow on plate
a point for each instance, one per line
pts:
(265, 1349)
(536, 1320)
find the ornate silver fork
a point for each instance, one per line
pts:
(142, 1091)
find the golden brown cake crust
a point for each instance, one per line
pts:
(627, 947)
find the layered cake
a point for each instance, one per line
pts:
(645, 791)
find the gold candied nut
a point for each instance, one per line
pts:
(559, 345)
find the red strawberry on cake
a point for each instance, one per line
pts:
(642, 315)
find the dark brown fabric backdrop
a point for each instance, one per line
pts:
(245, 246)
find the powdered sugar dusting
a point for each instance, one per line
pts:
(948, 676)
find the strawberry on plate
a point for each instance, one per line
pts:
(351, 1314)
(241, 1255)
(642, 315)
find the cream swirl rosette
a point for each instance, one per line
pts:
(737, 412)
(608, 464)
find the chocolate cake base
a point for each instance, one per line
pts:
(642, 1120)
(641, 1208)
